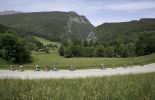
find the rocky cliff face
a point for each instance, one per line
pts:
(91, 37)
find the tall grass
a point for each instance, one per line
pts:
(3, 63)
(128, 87)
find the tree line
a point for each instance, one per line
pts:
(142, 46)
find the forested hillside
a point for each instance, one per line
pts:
(125, 39)
(123, 32)
(55, 26)
(80, 38)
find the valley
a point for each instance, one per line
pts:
(77, 50)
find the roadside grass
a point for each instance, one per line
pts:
(127, 87)
(3, 63)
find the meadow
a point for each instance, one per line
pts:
(53, 58)
(127, 87)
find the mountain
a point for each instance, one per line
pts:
(57, 26)
(8, 12)
(126, 32)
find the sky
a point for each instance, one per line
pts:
(97, 11)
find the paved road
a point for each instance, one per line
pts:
(30, 74)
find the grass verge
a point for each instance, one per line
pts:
(128, 87)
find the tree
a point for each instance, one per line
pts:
(13, 50)
(67, 52)
(109, 52)
(99, 51)
(61, 51)
(88, 51)
(145, 43)
(132, 49)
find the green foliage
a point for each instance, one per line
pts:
(123, 32)
(3, 28)
(61, 51)
(118, 40)
(124, 39)
(55, 26)
(67, 52)
(99, 51)
(145, 43)
(128, 87)
(33, 43)
(13, 50)
(13, 47)
(53, 58)
(95, 50)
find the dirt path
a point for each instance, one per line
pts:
(30, 74)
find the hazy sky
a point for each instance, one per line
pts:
(97, 11)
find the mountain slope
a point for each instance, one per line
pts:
(109, 33)
(56, 25)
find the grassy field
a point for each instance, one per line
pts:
(128, 87)
(45, 41)
(3, 63)
(53, 58)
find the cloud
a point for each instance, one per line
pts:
(133, 6)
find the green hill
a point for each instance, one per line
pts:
(56, 26)
(126, 32)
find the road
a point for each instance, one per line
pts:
(30, 74)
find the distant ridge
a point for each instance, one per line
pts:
(111, 33)
(8, 12)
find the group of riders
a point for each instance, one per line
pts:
(38, 68)
(47, 68)
(13, 67)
